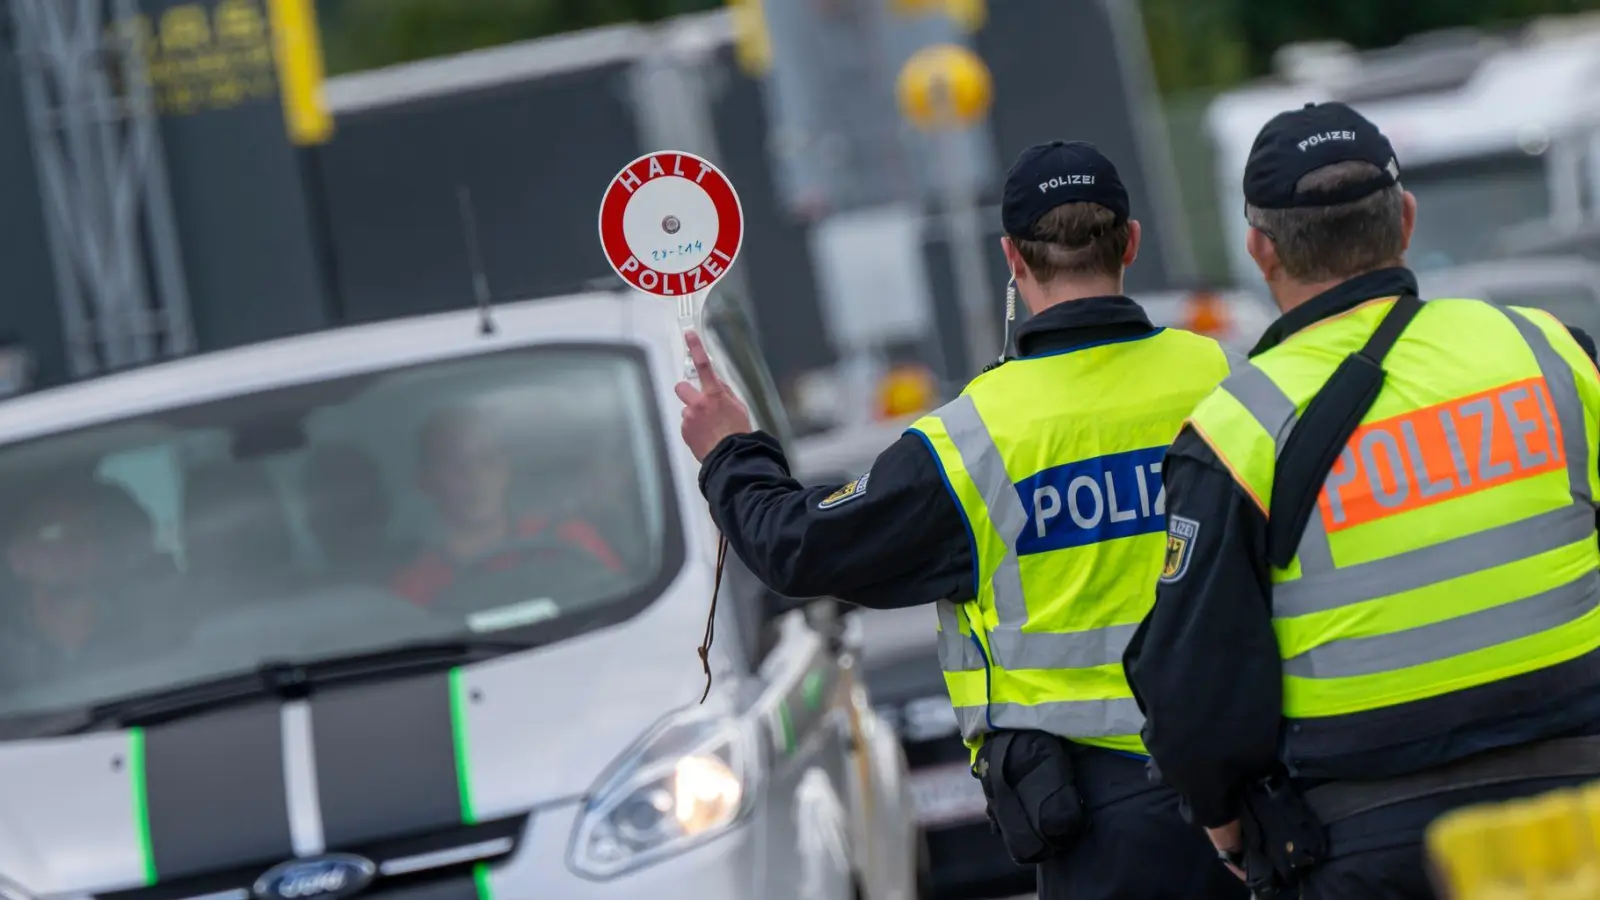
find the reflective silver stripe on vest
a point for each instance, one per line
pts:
(1012, 648)
(972, 720)
(1263, 399)
(1451, 637)
(1234, 360)
(1560, 380)
(1079, 718)
(957, 652)
(1432, 564)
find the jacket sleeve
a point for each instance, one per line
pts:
(1584, 339)
(1204, 665)
(846, 541)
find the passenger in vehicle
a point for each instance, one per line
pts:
(90, 578)
(236, 536)
(465, 470)
(347, 512)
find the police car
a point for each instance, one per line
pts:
(410, 610)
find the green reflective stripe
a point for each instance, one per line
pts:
(1558, 379)
(1450, 637)
(1079, 718)
(957, 651)
(458, 727)
(1014, 649)
(1435, 563)
(786, 724)
(141, 803)
(480, 881)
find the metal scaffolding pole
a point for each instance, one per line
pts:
(102, 181)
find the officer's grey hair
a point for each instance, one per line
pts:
(1075, 239)
(1332, 243)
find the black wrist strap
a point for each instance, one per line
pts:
(1332, 416)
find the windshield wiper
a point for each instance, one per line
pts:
(287, 681)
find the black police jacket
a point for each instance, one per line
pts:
(1205, 666)
(899, 540)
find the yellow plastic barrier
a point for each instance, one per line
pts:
(1540, 848)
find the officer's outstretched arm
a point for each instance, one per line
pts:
(833, 541)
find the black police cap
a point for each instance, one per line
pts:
(1295, 143)
(1046, 176)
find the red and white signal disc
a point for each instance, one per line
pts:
(671, 224)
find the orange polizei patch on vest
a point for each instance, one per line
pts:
(1442, 452)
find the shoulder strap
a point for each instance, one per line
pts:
(1332, 416)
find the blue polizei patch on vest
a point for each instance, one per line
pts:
(1092, 500)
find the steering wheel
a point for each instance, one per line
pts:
(547, 566)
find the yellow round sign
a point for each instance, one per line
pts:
(944, 86)
(905, 391)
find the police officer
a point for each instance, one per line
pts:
(1030, 510)
(1328, 667)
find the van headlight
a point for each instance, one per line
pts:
(686, 781)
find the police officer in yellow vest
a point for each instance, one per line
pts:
(1367, 620)
(1030, 510)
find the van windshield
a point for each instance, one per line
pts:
(522, 494)
(1463, 205)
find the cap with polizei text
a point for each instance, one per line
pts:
(1046, 176)
(1296, 143)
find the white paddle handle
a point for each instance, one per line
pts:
(689, 306)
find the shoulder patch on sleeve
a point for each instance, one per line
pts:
(845, 494)
(1181, 533)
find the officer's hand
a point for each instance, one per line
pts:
(1228, 839)
(711, 412)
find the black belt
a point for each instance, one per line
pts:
(1557, 758)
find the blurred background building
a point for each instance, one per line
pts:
(235, 170)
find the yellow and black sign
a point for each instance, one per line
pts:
(1181, 533)
(213, 55)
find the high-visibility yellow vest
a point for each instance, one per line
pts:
(1055, 461)
(1453, 543)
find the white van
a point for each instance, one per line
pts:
(410, 610)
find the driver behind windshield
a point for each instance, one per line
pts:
(84, 557)
(465, 470)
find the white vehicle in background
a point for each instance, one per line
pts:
(258, 713)
(1566, 287)
(1491, 132)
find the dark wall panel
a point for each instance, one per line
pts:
(27, 282)
(536, 156)
(1056, 75)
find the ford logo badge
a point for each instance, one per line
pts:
(316, 878)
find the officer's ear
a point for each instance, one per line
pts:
(1263, 251)
(1408, 218)
(1019, 269)
(1135, 235)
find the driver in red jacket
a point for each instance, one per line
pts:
(465, 470)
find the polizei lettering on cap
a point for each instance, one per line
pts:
(1324, 138)
(1064, 180)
